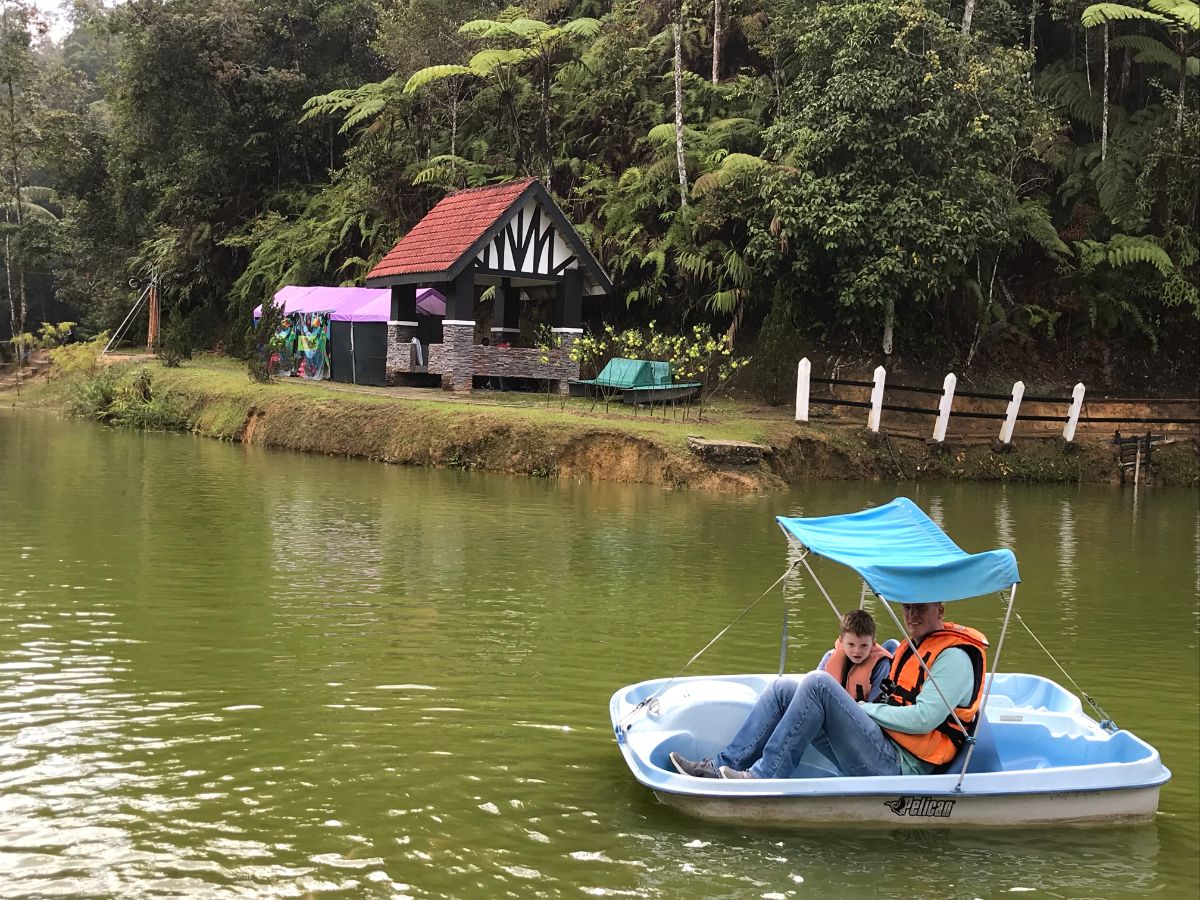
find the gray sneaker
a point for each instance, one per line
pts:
(727, 772)
(704, 768)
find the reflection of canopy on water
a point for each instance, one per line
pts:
(351, 304)
(903, 555)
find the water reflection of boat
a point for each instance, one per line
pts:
(1035, 757)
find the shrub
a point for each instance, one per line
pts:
(175, 342)
(129, 402)
(778, 352)
(78, 359)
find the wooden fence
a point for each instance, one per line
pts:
(1071, 417)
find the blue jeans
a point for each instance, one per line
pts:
(792, 714)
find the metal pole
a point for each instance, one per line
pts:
(817, 581)
(987, 691)
(125, 322)
(924, 665)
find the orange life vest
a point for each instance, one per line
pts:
(854, 677)
(908, 677)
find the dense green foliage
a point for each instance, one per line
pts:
(867, 172)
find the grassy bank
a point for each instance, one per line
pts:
(527, 434)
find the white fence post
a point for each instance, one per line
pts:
(943, 419)
(803, 374)
(1014, 408)
(1073, 413)
(876, 400)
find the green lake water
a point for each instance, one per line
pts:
(230, 672)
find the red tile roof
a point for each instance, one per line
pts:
(449, 229)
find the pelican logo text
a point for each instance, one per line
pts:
(929, 807)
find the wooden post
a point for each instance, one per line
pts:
(152, 331)
(1137, 463)
(1073, 413)
(876, 400)
(1014, 409)
(803, 373)
(943, 419)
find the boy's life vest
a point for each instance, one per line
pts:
(854, 677)
(907, 678)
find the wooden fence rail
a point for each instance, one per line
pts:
(1071, 417)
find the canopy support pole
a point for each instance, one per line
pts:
(1012, 596)
(928, 674)
(783, 637)
(817, 581)
(127, 321)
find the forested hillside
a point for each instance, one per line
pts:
(983, 185)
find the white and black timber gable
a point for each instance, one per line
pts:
(534, 241)
(527, 244)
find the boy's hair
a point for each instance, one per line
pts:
(859, 622)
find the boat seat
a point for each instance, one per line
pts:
(986, 757)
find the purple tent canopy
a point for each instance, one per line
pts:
(352, 304)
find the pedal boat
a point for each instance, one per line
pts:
(1035, 758)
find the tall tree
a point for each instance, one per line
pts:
(19, 22)
(677, 72)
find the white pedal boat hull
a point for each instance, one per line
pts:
(1050, 765)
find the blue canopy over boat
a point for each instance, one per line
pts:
(903, 555)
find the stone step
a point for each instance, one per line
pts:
(727, 453)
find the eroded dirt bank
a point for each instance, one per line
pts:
(500, 441)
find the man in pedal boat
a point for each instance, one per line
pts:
(911, 733)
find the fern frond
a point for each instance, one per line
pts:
(1124, 250)
(1105, 13)
(707, 182)
(1147, 50)
(693, 265)
(430, 74)
(665, 134)
(1184, 11)
(1070, 92)
(736, 268)
(38, 194)
(366, 109)
(582, 27)
(1031, 220)
(485, 62)
(725, 301)
(28, 210)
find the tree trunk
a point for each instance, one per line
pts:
(12, 298)
(968, 14)
(1032, 23)
(677, 31)
(546, 120)
(1104, 108)
(18, 307)
(889, 321)
(1182, 86)
(1126, 73)
(716, 73)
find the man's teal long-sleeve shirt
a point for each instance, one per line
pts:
(954, 674)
